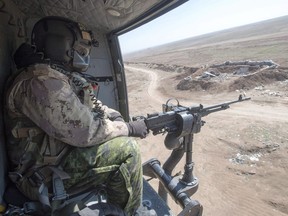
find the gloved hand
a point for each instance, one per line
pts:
(137, 128)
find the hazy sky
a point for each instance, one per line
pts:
(197, 17)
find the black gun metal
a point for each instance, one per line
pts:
(180, 123)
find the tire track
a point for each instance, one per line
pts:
(152, 88)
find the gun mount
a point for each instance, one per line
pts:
(180, 123)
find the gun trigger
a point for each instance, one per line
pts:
(163, 131)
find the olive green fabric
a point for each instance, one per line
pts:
(116, 163)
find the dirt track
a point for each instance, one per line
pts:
(240, 155)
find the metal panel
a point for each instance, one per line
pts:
(105, 15)
(11, 35)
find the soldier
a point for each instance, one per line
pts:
(61, 139)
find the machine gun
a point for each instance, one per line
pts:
(180, 123)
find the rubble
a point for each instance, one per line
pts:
(268, 63)
(267, 91)
(166, 67)
(238, 75)
(245, 158)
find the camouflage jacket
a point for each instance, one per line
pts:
(47, 98)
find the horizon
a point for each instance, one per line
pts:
(210, 16)
(196, 36)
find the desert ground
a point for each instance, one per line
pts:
(241, 154)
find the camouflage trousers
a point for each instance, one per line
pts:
(116, 163)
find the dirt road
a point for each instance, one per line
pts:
(240, 155)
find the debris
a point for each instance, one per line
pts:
(260, 88)
(188, 78)
(268, 63)
(239, 75)
(245, 158)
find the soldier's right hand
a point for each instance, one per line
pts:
(137, 128)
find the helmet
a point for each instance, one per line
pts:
(64, 42)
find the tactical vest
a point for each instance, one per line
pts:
(35, 156)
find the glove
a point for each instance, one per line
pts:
(115, 116)
(137, 129)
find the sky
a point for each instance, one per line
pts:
(197, 17)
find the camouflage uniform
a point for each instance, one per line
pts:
(44, 109)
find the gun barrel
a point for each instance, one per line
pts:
(225, 105)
